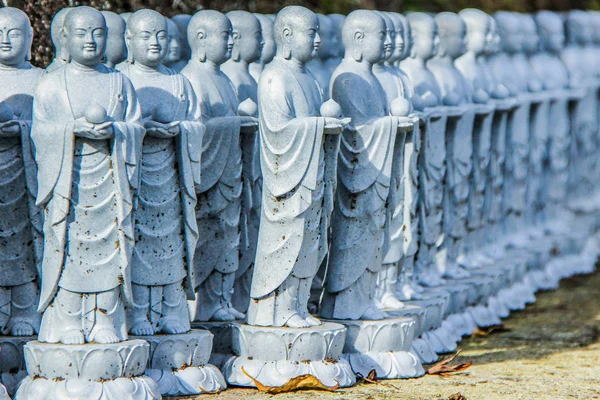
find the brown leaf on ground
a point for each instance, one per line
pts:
(443, 369)
(308, 382)
(457, 396)
(482, 332)
(372, 376)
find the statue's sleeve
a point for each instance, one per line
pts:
(290, 143)
(193, 128)
(51, 132)
(365, 152)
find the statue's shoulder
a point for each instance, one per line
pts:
(276, 76)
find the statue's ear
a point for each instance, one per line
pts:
(287, 46)
(128, 45)
(357, 45)
(201, 35)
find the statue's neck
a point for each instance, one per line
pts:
(146, 68)
(209, 65)
(82, 68)
(241, 64)
(364, 65)
(292, 63)
(415, 62)
(443, 60)
(7, 67)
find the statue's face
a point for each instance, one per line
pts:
(426, 40)
(328, 45)
(552, 35)
(398, 43)
(268, 49)
(531, 39)
(455, 41)
(479, 37)
(86, 38)
(375, 42)
(14, 40)
(408, 41)
(305, 40)
(218, 42)
(249, 41)
(173, 47)
(512, 37)
(493, 46)
(149, 41)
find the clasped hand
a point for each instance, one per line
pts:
(160, 130)
(10, 128)
(335, 126)
(88, 130)
(248, 124)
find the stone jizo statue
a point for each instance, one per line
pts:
(61, 53)
(165, 223)
(364, 172)
(268, 49)
(87, 152)
(218, 209)
(20, 238)
(292, 159)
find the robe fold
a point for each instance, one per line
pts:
(364, 176)
(292, 162)
(166, 228)
(55, 144)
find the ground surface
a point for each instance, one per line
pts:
(550, 351)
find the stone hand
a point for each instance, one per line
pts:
(405, 123)
(248, 122)
(335, 126)
(84, 129)
(10, 128)
(160, 130)
(104, 130)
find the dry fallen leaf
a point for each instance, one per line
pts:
(307, 381)
(372, 378)
(443, 369)
(482, 332)
(457, 396)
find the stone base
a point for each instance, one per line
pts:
(383, 346)
(274, 355)
(180, 363)
(12, 362)
(222, 343)
(420, 348)
(89, 371)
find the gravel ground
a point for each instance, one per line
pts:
(551, 350)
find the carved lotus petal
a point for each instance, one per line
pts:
(63, 364)
(171, 354)
(267, 346)
(310, 346)
(384, 337)
(75, 388)
(202, 349)
(136, 360)
(196, 380)
(101, 364)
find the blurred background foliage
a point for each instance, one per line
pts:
(41, 11)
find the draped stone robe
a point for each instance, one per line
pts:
(85, 187)
(218, 208)
(364, 174)
(475, 73)
(431, 166)
(517, 142)
(21, 241)
(584, 124)
(246, 87)
(555, 77)
(165, 223)
(292, 161)
(459, 149)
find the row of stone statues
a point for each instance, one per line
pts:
(281, 196)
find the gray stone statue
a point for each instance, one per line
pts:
(116, 51)
(391, 82)
(166, 231)
(323, 65)
(247, 46)
(289, 245)
(182, 21)
(87, 135)
(165, 225)
(21, 220)
(218, 208)
(281, 340)
(61, 52)
(364, 171)
(87, 151)
(459, 139)
(268, 49)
